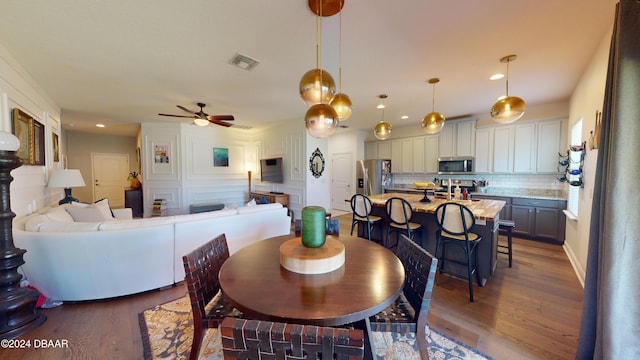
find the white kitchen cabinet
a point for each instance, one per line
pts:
(418, 144)
(457, 138)
(524, 148)
(377, 150)
(549, 145)
(407, 155)
(370, 150)
(431, 144)
(396, 156)
(484, 150)
(503, 149)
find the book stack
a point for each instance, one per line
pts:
(159, 207)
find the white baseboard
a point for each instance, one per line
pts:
(577, 268)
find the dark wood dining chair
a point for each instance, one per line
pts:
(256, 339)
(399, 212)
(455, 225)
(201, 267)
(361, 215)
(408, 313)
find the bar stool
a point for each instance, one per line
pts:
(507, 226)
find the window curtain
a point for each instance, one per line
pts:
(611, 308)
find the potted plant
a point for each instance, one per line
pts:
(134, 182)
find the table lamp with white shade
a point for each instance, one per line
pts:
(66, 178)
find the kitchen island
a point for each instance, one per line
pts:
(486, 212)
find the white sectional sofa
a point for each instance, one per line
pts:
(74, 261)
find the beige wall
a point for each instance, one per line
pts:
(81, 145)
(587, 97)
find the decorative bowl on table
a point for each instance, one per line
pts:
(425, 185)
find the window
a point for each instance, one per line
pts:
(574, 191)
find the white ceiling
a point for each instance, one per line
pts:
(121, 62)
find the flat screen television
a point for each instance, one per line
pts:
(271, 170)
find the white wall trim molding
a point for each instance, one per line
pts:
(575, 264)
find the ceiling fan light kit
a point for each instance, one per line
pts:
(509, 108)
(201, 118)
(433, 122)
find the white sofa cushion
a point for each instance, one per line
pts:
(54, 226)
(135, 223)
(59, 213)
(258, 208)
(205, 215)
(35, 221)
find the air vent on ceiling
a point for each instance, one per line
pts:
(244, 62)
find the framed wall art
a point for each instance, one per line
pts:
(220, 156)
(21, 128)
(37, 141)
(56, 147)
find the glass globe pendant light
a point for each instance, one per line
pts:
(341, 102)
(433, 122)
(382, 131)
(316, 85)
(508, 108)
(321, 120)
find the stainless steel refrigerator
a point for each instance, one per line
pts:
(372, 176)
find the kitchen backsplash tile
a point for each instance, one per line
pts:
(509, 183)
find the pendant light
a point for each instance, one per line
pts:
(317, 85)
(382, 131)
(341, 102)
(433, 122)
(508, 108)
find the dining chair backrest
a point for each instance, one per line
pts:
(455, 218)
(399, 210)
(256, 339)
(420, 273)
(361, 205)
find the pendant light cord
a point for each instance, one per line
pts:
(507, 82)
(433, 99)
(340, 50)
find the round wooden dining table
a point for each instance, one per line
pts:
(370, 279)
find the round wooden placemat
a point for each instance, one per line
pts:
(303, 260)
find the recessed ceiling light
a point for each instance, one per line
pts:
(100, 125)
(404, 117)
(381, 106)
(496, 76)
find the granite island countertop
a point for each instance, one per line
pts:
(545, 194)
(483, 209)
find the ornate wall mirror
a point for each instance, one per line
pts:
(316, 163)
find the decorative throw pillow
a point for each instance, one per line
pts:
(58, 213)
(89, 213)
(102, 205)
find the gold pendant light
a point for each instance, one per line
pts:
(341, 102)
(433, 122)
(382, 131)
(508, 108)
(317, 86)
(321, 120)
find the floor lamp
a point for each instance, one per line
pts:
(18, 313)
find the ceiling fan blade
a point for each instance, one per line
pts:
(220, 117)
(181, 116)
(221, 123)
(185, 109)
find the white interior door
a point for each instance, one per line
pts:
(342, 170)
(109, 177)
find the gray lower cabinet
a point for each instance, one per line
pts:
(539, 218)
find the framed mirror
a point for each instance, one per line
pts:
(316, 163)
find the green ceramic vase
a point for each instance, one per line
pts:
(313, 226)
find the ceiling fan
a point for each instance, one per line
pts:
(202, 118)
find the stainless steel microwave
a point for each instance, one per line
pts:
(456, 165)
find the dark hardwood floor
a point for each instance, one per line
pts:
(529, 311)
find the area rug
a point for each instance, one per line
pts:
(167, 331)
